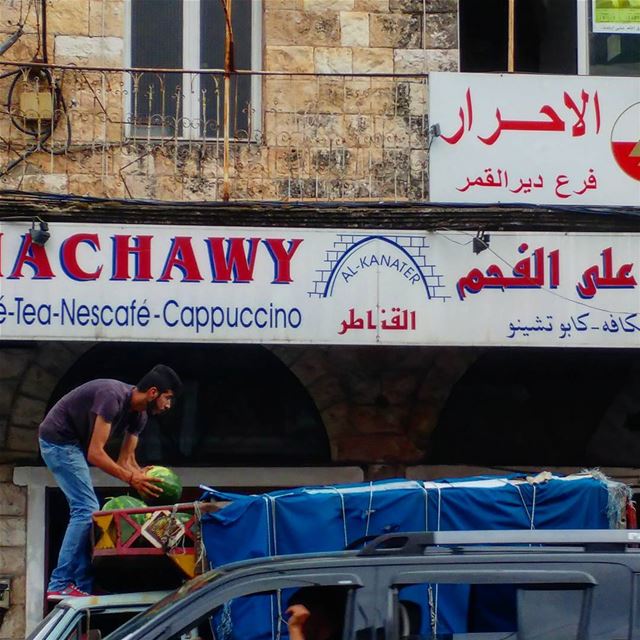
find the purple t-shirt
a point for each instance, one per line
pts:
(71, 419)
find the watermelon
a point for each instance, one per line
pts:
(126, 502)
(171, 485)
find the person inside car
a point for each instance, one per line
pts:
(316, 613)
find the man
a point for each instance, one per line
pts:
(74, 433)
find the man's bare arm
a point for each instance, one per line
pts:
(97, 456)
(298, 616)
(127, 455)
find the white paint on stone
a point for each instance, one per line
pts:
(409, 61)
(328, 5)
(332, 60)
(107, 51)
(354, 29)
(424, 60)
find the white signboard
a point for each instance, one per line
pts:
(265, 285)
(553, 140)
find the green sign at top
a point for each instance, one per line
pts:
(616, 16)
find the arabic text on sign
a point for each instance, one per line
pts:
(550, 122)
(524, 276)
(397, 320)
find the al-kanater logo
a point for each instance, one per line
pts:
(352, 255)
(625, 141)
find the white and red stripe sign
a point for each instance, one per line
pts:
(568, 140)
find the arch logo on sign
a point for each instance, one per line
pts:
(625, 141)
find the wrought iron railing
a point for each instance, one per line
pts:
(201, 135)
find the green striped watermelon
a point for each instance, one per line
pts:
(127, 502)
(171, 485)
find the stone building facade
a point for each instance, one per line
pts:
(339, 112)
(334, 110)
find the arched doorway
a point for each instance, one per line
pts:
(240, 405)
(543, 407)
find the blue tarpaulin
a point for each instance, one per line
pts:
(330, 518)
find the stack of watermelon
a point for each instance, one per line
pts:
(126, 502)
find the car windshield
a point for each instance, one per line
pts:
(188, 588)
(44, 628)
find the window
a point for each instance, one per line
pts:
(190, 35)
(545, 39)
(596, 37)
(256, 608)
(264, 615)
(612, 51)
(541, 600)
(489, 611)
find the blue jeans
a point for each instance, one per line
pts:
(71, 471)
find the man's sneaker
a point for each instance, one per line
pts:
(68, 592)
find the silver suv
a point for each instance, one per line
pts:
(480, 585)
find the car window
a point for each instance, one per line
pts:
(48, 623)
(94, 625)
(175, 598)
(75, 632)
(545, 600)
(250, 604)
(266, 615)
(98, 624)
(489, 611)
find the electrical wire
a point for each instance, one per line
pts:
(14, 37)
(59, 108)
(41, 133)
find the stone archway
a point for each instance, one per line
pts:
(550, 407)
(31, 373)
(378, 404)
(240, 404)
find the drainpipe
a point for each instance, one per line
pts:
(511, 47)
(229, 68)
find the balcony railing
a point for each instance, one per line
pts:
(198, 135)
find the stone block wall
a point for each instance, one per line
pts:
(313, 136)
(13, 510)
(28, 376)
(14, 419)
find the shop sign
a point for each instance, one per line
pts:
(551, 140)
(616, 16)
(266, 285)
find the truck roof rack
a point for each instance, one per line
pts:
(415, 542)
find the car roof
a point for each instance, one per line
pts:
(417, 542)
(139, 598)
(420, 543)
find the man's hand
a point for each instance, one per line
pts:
(144, 484)
(298, 615)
